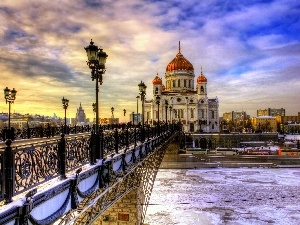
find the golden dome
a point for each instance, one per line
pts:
(157, 80)
(179, 63)
(201, 78)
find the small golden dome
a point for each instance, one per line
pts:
(201, 78)
(157, 80)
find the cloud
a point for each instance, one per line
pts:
(249, 51)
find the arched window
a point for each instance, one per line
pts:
(174, 83)
(178, 83)
(201, 89)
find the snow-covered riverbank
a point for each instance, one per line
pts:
(218, 196)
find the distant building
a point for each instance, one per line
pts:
(271, 112)
(136, 118)
(80, 115)
(265, 123)
(235, 116)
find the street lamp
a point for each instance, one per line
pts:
(142, 88)
(10, 97)
(65, 103)
(166, 107)
(137, 109)
(112, 112)
(96, 62)
(170, 108)
(158, 102)
(124, 111)
(94, 109)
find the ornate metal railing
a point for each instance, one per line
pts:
(26, 166)
(52, 131)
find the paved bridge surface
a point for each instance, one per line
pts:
(59, 181)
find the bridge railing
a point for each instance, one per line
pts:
(52, 131)
(25, 166)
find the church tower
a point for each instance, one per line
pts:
(201, 86)
(157, 85)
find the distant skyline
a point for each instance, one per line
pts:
(249, 52)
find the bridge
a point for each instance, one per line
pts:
(59, 179)
(47, 178)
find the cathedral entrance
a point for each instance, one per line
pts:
(203, 143)
(191, 127)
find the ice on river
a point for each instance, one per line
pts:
(239, 196)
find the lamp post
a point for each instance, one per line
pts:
(170, 108)
(10, 97)
(96, 62)
(94, 109)
(112, 112)
(157, 100)
(137, 109)
(142, 89)
(124, 111)
(65, 103)
(166, 107)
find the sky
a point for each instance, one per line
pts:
(249, 52)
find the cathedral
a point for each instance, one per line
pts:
(178, 101)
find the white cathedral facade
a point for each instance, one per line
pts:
(180, 102)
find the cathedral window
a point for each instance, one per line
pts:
(156, 90)
(178, 83)
(201, 89)
(202, 113)
(190, 83)
(212, 114)
(192, 113)
(184, 83)
(174, 83)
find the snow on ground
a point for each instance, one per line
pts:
(239, 196)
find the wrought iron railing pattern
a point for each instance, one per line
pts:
(26, 166)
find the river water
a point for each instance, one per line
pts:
(239, 196)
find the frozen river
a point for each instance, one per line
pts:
(225, 196)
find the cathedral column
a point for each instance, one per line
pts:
(152, 112)
(207, 120)
(197, 116)
(187, 114)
